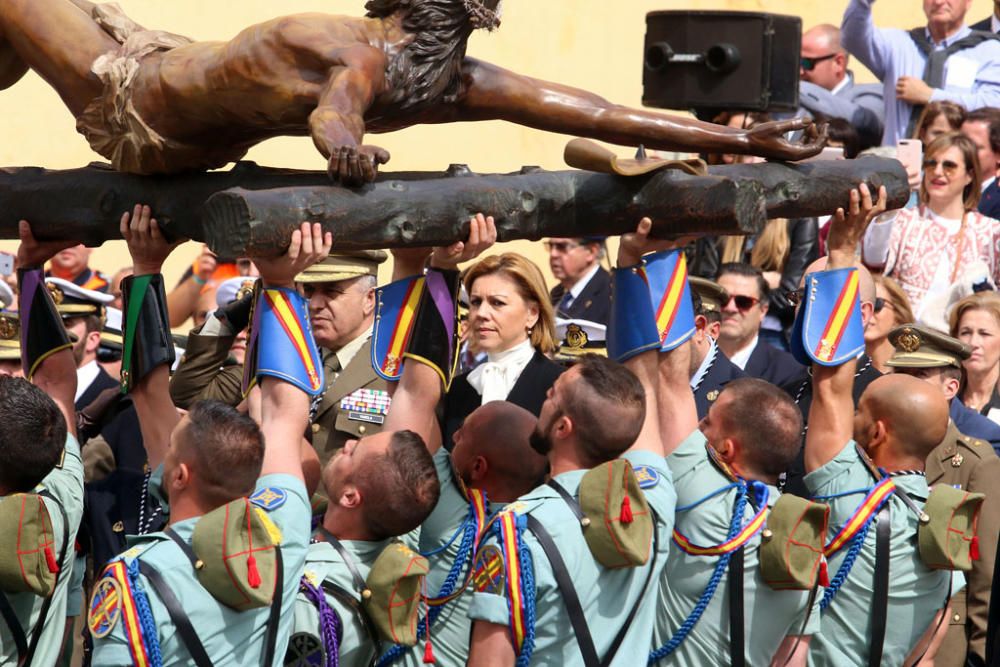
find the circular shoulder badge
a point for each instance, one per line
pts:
(488, 572)
(305, 650)
(646, 476)
(105, 607)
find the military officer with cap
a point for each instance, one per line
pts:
(965, 463)
(584, 289)
(341, 294)
(711, 369)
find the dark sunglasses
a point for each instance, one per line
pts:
(881, 303)
(742, 302)
(560, 246)
(949, 167)
(809, 64)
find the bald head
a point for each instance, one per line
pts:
(500, 433)
(914, 412)
(824, 37)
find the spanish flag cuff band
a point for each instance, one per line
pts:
(651, 306)
(828, 329)
(42, 330)
(281, 342)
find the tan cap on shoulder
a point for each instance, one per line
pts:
(920, 347)
(344, 265)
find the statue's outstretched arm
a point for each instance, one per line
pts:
(494, 93)
(337, 124)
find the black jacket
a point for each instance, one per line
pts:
(721, 372)
(528, 392)
(985, 25)
(769, 363)
(593, 304)
(704, 258)
(101, 382)
(989, 202)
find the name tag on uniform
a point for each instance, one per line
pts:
(366, 405)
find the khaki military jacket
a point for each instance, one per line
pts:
(202, 374)
(336, 422)
(970, 464)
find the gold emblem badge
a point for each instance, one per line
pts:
(245, 288)
(712, 395)
(57, 294)
(956, 460)
(908, 341)
(576, 337)
(391, 364)
(8, 328)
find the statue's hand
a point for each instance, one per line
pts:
(768, 140)
(355, 165)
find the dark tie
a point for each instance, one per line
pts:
(565, 303)
(331, 368)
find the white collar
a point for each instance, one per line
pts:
(580, 284)
(741, 358)
(706, 364)
(987, 183)
(994, 23)
(347, 353)
(948, 41)
(843, 84)
(495, 378)
(85, 376)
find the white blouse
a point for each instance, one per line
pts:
(494, 378)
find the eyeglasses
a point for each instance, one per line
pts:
(742, 302)
(560, 246)
(881, 303)
(809, 64)
(949, 167)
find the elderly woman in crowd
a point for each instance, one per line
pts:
(511, 319)
(925, 248)
(975, 320)
(892, 309)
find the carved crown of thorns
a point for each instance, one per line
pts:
(481, 17)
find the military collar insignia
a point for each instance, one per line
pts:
(305, 650)
(105, 607)
(269, 498)
(712, 395)
(646, 476)
(488, 573)
(722, 466)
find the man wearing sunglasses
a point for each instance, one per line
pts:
(944, 61)
(828, 87)
(584, 289)
(742, 315)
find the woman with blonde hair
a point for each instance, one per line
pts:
(892, 309)
(512, 321)
(925, 248)
(975, 320)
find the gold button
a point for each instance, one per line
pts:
(315, 428)
(361, 429)
(956, 618)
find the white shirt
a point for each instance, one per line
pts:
(743, 356)
(347, 353)
(843, 84)
(85, 376)
(706, 364)
(994, 23)
(495, 378)
(579, 285)
(987, 183)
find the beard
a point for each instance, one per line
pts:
(540, 440)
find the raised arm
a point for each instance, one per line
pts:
(863, 40)
(146, 357)
(54, 371)
(831, 415)
(419, 390)
(284, 405)
(337, 124)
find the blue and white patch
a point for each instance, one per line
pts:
(646, 476)
(269, 498)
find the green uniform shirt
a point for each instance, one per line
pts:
(450, 632)
(324, 563)
(915, 592)
(230, 637)
(769, 615)
(607, 596)
(65, 483)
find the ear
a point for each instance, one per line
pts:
(563, 428)
(727, 450)
(93, 341)
(181, 477)
(714, 328)
(879, 436)
(350, 497)
(867, 311)
(701, 323)
(532, 315)
(480, 468)
(368, 305)
(951, 387)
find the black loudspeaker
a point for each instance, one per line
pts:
(705, 60)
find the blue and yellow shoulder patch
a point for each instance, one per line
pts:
(269, 498)
(646, 476)
(488, 571)
(105, 607)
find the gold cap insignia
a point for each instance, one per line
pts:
(908, 341)
(8, 329)
(57, 294)
(576, 337)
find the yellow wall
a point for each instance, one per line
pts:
(595, 44)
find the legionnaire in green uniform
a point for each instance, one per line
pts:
(41, 475)
(217, 587)
(583, 600)
(964, 463)
(899, 421)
